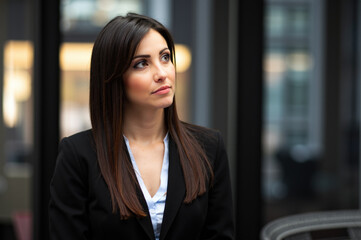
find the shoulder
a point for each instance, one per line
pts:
(77, 148)
(79, 141)
(80, 137)
(207, 137)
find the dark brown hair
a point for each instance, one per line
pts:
(111, 57)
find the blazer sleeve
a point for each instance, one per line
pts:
(220, 223)
(68, 196)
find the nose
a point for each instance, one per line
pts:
(159, 73)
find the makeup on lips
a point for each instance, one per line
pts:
(162, 90)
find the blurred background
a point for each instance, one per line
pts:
(279, 78)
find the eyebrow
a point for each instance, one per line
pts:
(148, 56)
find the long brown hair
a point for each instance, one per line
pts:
(111, 57)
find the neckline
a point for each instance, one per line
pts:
(162, 189)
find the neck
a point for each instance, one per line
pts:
(144, 126)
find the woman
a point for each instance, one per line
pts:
(139, 173)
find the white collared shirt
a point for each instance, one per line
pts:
(156, 204)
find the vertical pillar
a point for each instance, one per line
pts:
(202, 53)
(358, 76)
(219, 69)
(46, 108)
(3, 36)
(161, 10)
(249, 119)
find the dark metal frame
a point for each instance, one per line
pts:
(46, 108)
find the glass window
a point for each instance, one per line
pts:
(290, 157)
(16, 115)
(296, 176)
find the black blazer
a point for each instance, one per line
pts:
(81, 208)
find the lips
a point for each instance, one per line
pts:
(162, 90)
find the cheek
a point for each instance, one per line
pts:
(171, 73)
(135, 85)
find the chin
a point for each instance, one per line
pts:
(166, 104)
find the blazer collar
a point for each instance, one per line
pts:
(145, 222)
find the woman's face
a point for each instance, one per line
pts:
(150, 80)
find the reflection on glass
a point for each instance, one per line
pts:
(17, 101)
(183, 58)
(287, 20)
(17, 107)
(88, 16)
(183, 63)
(18, 61)
(75, 64)
(290, 161)
(297, 177)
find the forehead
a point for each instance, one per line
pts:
(153, 40)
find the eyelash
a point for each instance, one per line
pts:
(136, 65)
(166, 55)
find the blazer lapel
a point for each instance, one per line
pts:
(145, 222)
(176, 189)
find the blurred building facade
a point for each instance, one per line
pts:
(311, 106)
(279, 79)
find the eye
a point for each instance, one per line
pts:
(165, 57)
(141, 64)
